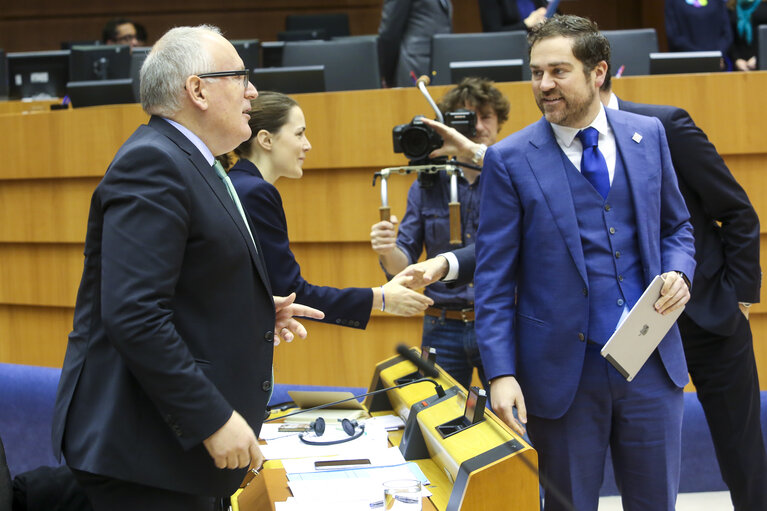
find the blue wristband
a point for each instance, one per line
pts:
(383, 300)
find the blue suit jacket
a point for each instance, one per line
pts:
(531, 281)
(173, 322)
(347, 307)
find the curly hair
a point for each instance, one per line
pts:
(477, 92)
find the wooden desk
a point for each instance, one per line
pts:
(465, 469)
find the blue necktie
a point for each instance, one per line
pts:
(593, 164)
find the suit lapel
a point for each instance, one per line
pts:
(632, 149)
(219, 190)
(545, 160)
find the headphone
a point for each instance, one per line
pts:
(351, 428)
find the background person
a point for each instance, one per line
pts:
(277, 148)
(716, 334)
(404, 38)
(449, 324)
(121, 31)
(506, 15)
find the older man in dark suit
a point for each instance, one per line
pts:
(715, 331)
(168, 367)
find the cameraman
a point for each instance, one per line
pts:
(449, 324)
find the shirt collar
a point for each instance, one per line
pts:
(194, 139)
(565, 135)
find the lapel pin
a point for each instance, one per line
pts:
(636, 137)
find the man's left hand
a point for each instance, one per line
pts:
(674, 293)
(285, 327)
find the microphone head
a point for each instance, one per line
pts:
(424, 79)
(426, 367)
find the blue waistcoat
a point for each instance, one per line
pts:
(610, 249)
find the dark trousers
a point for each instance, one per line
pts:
(109, 494)
(723, 370)
(640, 420)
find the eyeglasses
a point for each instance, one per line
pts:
(126, 39)
(245, 73)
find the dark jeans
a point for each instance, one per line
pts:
(456, 345)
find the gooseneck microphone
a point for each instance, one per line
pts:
(425, 366)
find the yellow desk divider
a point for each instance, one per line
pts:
(483, 467)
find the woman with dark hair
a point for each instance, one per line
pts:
(277, 148)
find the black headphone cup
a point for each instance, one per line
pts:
(318, 426)
(349, 426)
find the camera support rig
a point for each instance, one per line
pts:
(455, 206)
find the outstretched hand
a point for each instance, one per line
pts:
(285, 327)
(424, 273)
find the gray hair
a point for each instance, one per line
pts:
(178, 54)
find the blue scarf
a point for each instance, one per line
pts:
(744, 12)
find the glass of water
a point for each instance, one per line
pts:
(402, 495)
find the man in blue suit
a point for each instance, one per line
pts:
(573, 226)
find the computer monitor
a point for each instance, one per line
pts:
(506, 70)
(108, 62)
(290, 80)
(249, 51)
(3, 76)
(302, 35)
(38, 74)
(101, 92)
(685, 62)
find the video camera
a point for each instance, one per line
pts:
(416, 140)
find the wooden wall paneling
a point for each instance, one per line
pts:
(66, 143)
(43, 274)
(44, 204)
(34, 335)
(45, 210)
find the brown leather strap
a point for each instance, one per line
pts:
(464, 315)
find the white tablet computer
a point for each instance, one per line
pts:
(639, 334)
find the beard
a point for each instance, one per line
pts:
(570, 110)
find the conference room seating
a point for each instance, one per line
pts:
(761, 48)
(334, 24)
(27, 396)
(349, 64)
(447, 48)
(631, 49)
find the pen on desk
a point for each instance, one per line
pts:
(620, 71)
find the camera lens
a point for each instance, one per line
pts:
(416, 142)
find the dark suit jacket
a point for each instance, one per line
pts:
(724, 222)
(503, 15)
(531, 279)
(346, 307)
(404, 37)
(172, 326)
(466, 263)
